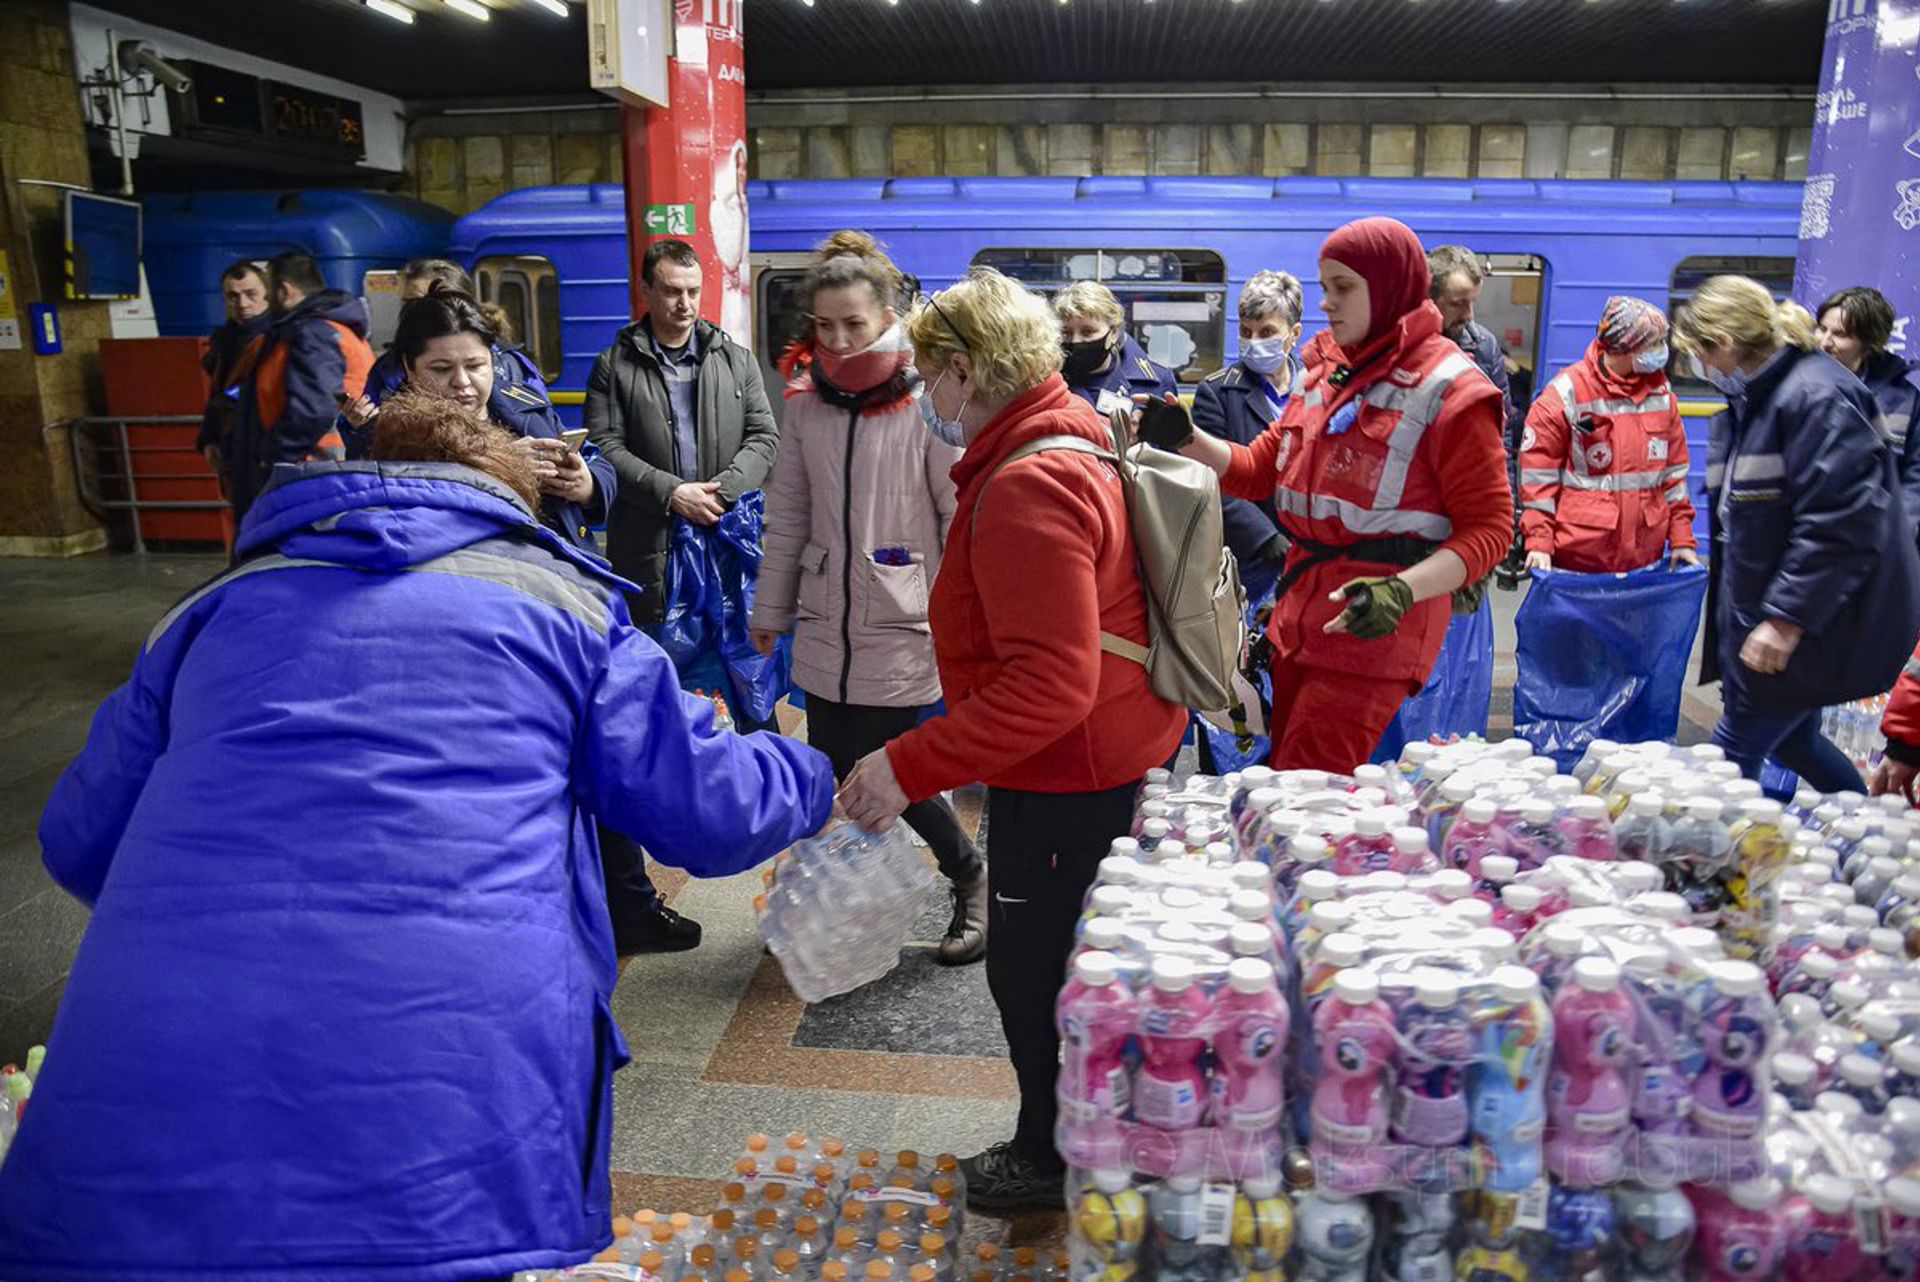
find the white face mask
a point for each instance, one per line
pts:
(1650, 360)
(948, 430)
(1734, 384)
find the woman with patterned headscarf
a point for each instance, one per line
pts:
(1603, 459)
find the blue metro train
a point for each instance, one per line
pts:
(1176, 251)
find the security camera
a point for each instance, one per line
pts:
(135, 58)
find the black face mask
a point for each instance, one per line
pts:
(1083, 359)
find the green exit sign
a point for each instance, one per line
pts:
(669, 220)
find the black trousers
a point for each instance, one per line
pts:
(632, 900)
(846, 732)
(1046, 849)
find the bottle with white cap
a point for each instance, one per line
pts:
(1170, 1090)
(1795, 1078)
(1863, 1077)
(1587, 1100)
(1760, 850)
(1448, 885)
(1823, 1241)
(1586, 832)
(1663, 906)
(1249, 1052)
(1098, 1014)
(1507, 1082)
(1743, 1237)
(1355, 1038)
(1904, 1058)
(1536, 838)
(1631, 879)
(1519, 908)
(1316, 886)
(1411, 852)
(1641, 833)
(1436, 1043)
(1597, 751)
(1367, 849)
(1736, 1032)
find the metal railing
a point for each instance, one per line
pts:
(104, 471)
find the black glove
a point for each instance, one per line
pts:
(1164, 423)
(1375, 606)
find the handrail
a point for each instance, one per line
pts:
(89, 469)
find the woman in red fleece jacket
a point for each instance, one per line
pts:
(1037, 565)
(1389, 476)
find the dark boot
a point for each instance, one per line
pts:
(966, 940)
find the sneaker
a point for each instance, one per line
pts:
(1000, 1179)
(665, 931)
(966, 939)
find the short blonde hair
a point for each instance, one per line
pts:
(1739, 310)
(1008, 333)
(1091, 300)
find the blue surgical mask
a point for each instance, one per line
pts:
(1264, 355)
(1728, 385)
(948, 430)
(1650, 360)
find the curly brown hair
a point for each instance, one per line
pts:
(415, 427)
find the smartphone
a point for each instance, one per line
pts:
(575, 439)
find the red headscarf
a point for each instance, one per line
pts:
(1388, 256)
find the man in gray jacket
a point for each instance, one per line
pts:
(679, 409)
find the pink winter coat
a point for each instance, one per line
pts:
(865, 484)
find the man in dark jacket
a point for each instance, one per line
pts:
(679, 410)
(243, 287)
(294, 378)
(1457, 277)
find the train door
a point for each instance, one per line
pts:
(1175, 299)
(1511, 306)
(777, 308)
(380, 291)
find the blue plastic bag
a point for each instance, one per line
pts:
(711, 574)
(1458, 691)
(1604, 656)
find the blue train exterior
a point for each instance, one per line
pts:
(1589, 239)
(191, 238)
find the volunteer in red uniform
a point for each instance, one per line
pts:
(1901, 725)
(1603, 459)
(1392, 484)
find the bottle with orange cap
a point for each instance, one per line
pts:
(835, 1271)
(935, 1256)
(860, 1217)
(776, 1197)
(921, 1273)
(757, 1156)
(721, 1226)
(652, 1264)
(848, 1251)
(891, 1249)
(900, 1217)
(1060, 1267)
(811, 1242)
(987, 1263)
(703, 1264)
(667, 1243)
(768, 1230)
(745, 1258)
(733, 1197)
(879, 1271)
(908, 1171)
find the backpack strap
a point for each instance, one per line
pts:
(1114, 645)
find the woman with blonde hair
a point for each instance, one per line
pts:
(1815, 595)
(858, 507)
(1102, 362)
(1039, 580)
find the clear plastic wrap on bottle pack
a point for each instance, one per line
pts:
(840, 907)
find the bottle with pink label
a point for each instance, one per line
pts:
(1823, 1243)
(1902, 1260)
(1097, 1015)
(1587, 1101)
(1585, 830)
(1170, 1090)
(1368, 848)
(1741, 1236)
(1354, 1035)
(1472, 837)
(1249, 1044)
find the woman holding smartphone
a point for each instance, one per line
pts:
(445, 345)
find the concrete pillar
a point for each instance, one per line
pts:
(1860, 211)
(42, 140)
(686, 163)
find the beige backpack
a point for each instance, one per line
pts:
(1196, 608)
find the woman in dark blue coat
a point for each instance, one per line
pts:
(341, 1014)
(1815, 594)
(1101, 362)
(1241, 401)
(446, 346)
(1854, 328)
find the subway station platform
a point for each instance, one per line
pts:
(720, 1047)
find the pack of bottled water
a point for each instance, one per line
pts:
(838, 908)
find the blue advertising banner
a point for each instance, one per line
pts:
(1860, 215)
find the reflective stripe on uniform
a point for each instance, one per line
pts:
(255, 566)
(1912, 668)
(1418, 406)
(1677, 493)
(1368, 522)
(1656, 404)
(1539, 476)
(1759, 467)
(1614, 482)
(1894, 427)
(1540, 505)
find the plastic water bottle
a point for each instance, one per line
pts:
(1171, 1090)
(1431, 1108)
(841, 907)
(1640, 834)
(1368, 849)
(1586, 833)
(1472, 838)
(1251, 1023)
(1097, 1016)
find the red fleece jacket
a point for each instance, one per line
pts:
(1030, 578)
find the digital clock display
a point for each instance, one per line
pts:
(302, 115)
(227, 106)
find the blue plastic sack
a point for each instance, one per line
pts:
(1458, 691)
(711, 575)
(1604, 656)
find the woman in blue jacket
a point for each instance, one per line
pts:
(341, 1013)
(1815, 594)
(1855, 326)
(1100, 360)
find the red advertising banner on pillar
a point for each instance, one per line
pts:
(686, 164)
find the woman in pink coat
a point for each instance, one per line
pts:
(857, 513)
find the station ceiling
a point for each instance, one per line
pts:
(524, 51)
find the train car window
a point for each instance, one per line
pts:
(527, 289)
(1509, 305)
(1775, 273)
(778, 310)
(380, 290)
(1175, 299)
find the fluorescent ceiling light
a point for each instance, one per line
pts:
(558, 8)
(472, 8)
(391, 9)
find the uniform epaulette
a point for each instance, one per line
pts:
(526, 396)
(1219, 375)
(1147, 370)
